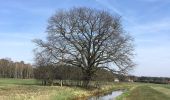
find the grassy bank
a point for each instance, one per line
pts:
(147, 92)
(29, 89)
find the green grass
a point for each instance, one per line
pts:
(144, 92)
(10, 81)
(30, 89)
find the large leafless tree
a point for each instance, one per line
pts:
(88, 38)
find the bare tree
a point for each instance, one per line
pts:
(90, 39)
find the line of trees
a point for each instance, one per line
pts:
(157, 80)
(10, 69)
(70, 75)
(48, 73)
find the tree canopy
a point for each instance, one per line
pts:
(87, 38)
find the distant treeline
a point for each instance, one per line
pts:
(158, 80)
(10, 69)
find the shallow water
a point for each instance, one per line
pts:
(109, 96)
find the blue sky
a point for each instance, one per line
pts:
(148, 21)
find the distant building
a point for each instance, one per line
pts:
(168, 82)
(116, 80)
(130, 80)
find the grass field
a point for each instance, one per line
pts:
(28, 89)
(144, 91)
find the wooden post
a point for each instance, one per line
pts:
(61, 83)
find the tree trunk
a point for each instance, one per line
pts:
(86, 79)
(51, 82)
(86, 83)
(44, 82)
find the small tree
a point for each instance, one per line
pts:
(44, 70)
(90, 39)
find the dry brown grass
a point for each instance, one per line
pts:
(11, 89)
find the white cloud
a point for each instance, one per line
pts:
(156, 26)
(108, 5)
(154, 0)
(152, 41)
